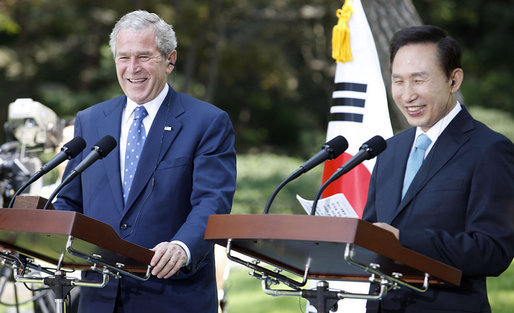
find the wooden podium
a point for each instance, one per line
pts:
(67, 240)
(326, 248)
(46, 235)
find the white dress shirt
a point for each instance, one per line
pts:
(127, 117)
(435, 131)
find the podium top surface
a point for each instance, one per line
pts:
(290, 241)
(44, 234)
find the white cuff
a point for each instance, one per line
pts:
(183, 245)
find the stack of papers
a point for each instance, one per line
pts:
(336, 206)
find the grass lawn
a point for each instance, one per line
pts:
(501, 291)
(244, 295)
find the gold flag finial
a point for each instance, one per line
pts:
(341, 51)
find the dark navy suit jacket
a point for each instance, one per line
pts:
(459, 210)
(186, 173)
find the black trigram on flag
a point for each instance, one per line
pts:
(347, 101)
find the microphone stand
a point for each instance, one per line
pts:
(368, 150)
(330, 151)
(64, 182)
(282, 184)
(318, 196)
(337, 174)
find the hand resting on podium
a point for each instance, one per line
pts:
(168, 259)
(392, 229)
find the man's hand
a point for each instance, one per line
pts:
(390, 228)
(167, 260)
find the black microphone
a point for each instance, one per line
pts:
(100, 150)
(68, 151)
(368, 150)
(330, 150)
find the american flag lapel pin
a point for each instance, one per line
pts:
(168, 128)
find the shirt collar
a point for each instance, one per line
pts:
(151, 106)
(435, 131)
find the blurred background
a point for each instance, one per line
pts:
(267, 63)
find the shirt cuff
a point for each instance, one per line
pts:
(183, 245)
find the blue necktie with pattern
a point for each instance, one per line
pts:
(135, 141)
(416, 158)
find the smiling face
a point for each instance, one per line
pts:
(141, 69)
(420, 88)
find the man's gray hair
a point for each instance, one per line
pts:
(140, 20)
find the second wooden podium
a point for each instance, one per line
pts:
(325, 248)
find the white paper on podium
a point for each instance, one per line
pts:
(336, 206)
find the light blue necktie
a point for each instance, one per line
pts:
(415, 160)
(135, 141)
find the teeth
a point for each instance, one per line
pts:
(136, 80)
(413, 109)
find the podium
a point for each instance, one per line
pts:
(67, 240)
(325, 248)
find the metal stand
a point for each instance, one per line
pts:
(41, 297)
(61, 286)
(58, 282)
(322, 298)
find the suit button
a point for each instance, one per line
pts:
(124, 226)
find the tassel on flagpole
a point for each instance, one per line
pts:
(341, 51)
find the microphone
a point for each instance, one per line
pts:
(100, 150)
(69, 150)
(368, 150)
(330, 150)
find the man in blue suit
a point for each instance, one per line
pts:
(159, 197)
(458, 205)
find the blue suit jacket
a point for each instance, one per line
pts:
(459, 210)
(186, 173)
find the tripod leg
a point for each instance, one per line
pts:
(5, 276)
(16, 298)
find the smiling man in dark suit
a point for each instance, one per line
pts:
(445, 186)
(174, 166)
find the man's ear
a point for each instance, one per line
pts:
(172, 59)
(456, 78)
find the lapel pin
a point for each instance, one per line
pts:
(168, 128)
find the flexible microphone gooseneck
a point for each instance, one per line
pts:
(69, 150)
(100, 150)
(368, 150)
(330, 150)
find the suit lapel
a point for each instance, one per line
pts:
(110, 125)
(446, 146)
(164, 130)
(393, 186)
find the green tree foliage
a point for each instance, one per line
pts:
(485, 30)
(268, 63)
